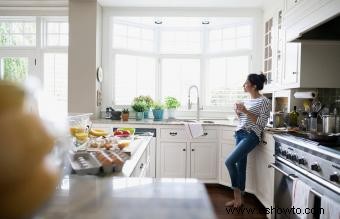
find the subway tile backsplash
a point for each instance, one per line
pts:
(328, 96)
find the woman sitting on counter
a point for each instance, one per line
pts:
(253, 115)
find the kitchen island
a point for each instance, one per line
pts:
(122, 197)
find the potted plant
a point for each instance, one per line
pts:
(125, 114)
(171, 104)
(148, 101)
(139, 108)
(158, 110)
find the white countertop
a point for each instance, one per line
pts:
(166, 122)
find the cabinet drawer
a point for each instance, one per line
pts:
(208, 134)
(177, 133)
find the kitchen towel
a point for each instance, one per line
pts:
(193, 130)
(331, 209)
(302, 198)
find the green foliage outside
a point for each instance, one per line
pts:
(14, 69)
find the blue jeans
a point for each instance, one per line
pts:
(236, 161)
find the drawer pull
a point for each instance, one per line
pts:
(183, 149)
(173, 133)
(192, 149)
(141, 165)
(205, 134)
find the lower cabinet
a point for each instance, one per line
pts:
(173, 159)
(195, 160)
(264, 175)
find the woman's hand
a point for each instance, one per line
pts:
(240, 108)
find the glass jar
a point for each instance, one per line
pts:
(313, 122)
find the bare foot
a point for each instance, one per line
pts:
(238, 198)
(230, 203)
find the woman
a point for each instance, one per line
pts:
(253, 116)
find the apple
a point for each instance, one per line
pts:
(126, 132)
(118, 132)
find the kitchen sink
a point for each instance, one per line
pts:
(202, 121)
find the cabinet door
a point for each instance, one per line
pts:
(203, 160)
(173, 159)
(291, 63)
(265, 176)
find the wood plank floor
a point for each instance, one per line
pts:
(219, 195)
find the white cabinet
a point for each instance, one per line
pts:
(183, 157)
(227, 144)
(264, 175)
(311, 66)
(203, 157)
(290, 75)
(173, 159)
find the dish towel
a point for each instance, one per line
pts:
(331, 209)
(193, 130)
(302, 198)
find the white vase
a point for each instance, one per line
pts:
(171, 113)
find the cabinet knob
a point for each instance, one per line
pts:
(294, 72)
(205, 134)
(192, 149)
(183, 149)
(264, 142)
(141, 165)
(173, 133)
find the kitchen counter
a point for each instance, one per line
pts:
(143, 198)
(165, 122)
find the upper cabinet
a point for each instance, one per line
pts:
(273, 46)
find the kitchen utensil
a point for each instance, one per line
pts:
(328, 124)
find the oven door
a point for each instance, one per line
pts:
(283, 185)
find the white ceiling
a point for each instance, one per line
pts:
(184, 3)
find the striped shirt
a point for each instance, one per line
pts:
(260, 107)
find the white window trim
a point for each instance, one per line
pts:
(255, 54)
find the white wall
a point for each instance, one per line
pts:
(84, 56)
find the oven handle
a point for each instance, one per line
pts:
(292, 177)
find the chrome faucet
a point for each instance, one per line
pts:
(198, 102)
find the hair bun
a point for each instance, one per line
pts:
(262, 77)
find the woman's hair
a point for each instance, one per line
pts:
(257, 79)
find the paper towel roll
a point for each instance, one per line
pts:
(305, 95)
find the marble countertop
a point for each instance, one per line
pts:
(82, 197)
(206, 122)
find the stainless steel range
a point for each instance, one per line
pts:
(316, 165)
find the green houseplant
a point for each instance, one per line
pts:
(139, 108)
(125, 114)
(171, 103)
(148, 101)
(158, 110)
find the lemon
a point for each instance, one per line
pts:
(81, 136)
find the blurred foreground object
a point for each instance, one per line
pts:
(28, 175)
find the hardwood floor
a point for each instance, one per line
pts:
(219, 195)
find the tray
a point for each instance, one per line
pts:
(84, 163)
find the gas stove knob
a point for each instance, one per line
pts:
(284, 152)
(334, 177)
(289, 156)
(315, 167)
(294, 157)
(302, 161)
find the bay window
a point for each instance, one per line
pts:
(165, 58)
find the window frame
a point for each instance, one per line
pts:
(204, 56)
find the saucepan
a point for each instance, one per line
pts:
(322, 137)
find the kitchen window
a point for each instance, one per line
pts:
(36, 46)
(184, 52)
(17, 32)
